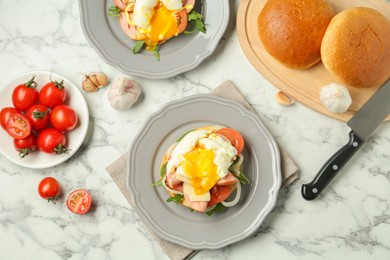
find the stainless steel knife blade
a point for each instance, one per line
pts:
(376, 109)
(365, 121)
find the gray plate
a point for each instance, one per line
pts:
(178, 55)
(178, 224)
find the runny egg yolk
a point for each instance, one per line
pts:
(200, 168)
(163, 26)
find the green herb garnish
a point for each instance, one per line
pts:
(163, 169)
(218, 208)
(158, 183)
(114, 11)
(156, 53)
(195, 18)
(177, 198)
(138, 46)
(243, 179)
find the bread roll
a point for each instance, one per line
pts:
(291, 31)
(356, 47)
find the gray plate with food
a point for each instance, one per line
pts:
(179, 224)
(177, 55)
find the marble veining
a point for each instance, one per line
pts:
(351, 220)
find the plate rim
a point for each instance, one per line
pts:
(119, 64)
(272, 192)
(84, 129)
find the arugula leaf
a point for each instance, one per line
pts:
(177, 198)
(138, 46)
(114, 11)
(156, 53)
(163, 169)
(158, 183)
(195, 18)
(181, 137)
(243, 179)
(218, 208)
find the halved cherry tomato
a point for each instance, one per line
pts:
(49, 189)
(63, 118)
(79, 201)
(234, 137)
(52, 94)
(25, 95)
(39, 116)
(18, 126)
(5, 114)
(26, 145)
(219, 194)
(51, 140)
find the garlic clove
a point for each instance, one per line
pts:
(123, 93)
(335, 97)
(93, 81)
(283, 99)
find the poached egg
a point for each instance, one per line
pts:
(157, 20)
(200, 159)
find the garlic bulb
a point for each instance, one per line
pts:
(123, 93)
(93, 81)
(335, 97)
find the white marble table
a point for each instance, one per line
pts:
(351, 220)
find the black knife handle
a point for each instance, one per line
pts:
(329, 170)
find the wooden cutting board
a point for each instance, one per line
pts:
(302, 85)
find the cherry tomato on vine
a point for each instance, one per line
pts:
(25, 95)
(79, 201)
(52, 94)
(52, 140)
(5, 114)
(26, 145)
(49, 189)
(18, 126)
(39, 116)
(63, 118)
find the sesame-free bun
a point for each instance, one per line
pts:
(356, 47)
(291, 31)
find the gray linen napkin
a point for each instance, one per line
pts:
(118, 172)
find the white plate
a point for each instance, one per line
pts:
(177, 55)
(75, 99)
(177, 223)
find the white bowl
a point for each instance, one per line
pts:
(75, 99)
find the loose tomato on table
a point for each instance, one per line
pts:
(5, 114)
(234, 137)
(79, 201)
(39, 116)
(49, 189)
(18, 126)
(63, 118)
(52, 94)
(52, 140)
(26, 145)
(25, 95)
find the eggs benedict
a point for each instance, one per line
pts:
(203, 168)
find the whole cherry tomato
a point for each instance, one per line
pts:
(49, 189)
(79, 201)
(25, 95)
(5, 114)
(18, 126)
(52, 94)
(63, 118)
(26, 145)
(52, 140)
(39, 116)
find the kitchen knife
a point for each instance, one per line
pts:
(362, 124)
